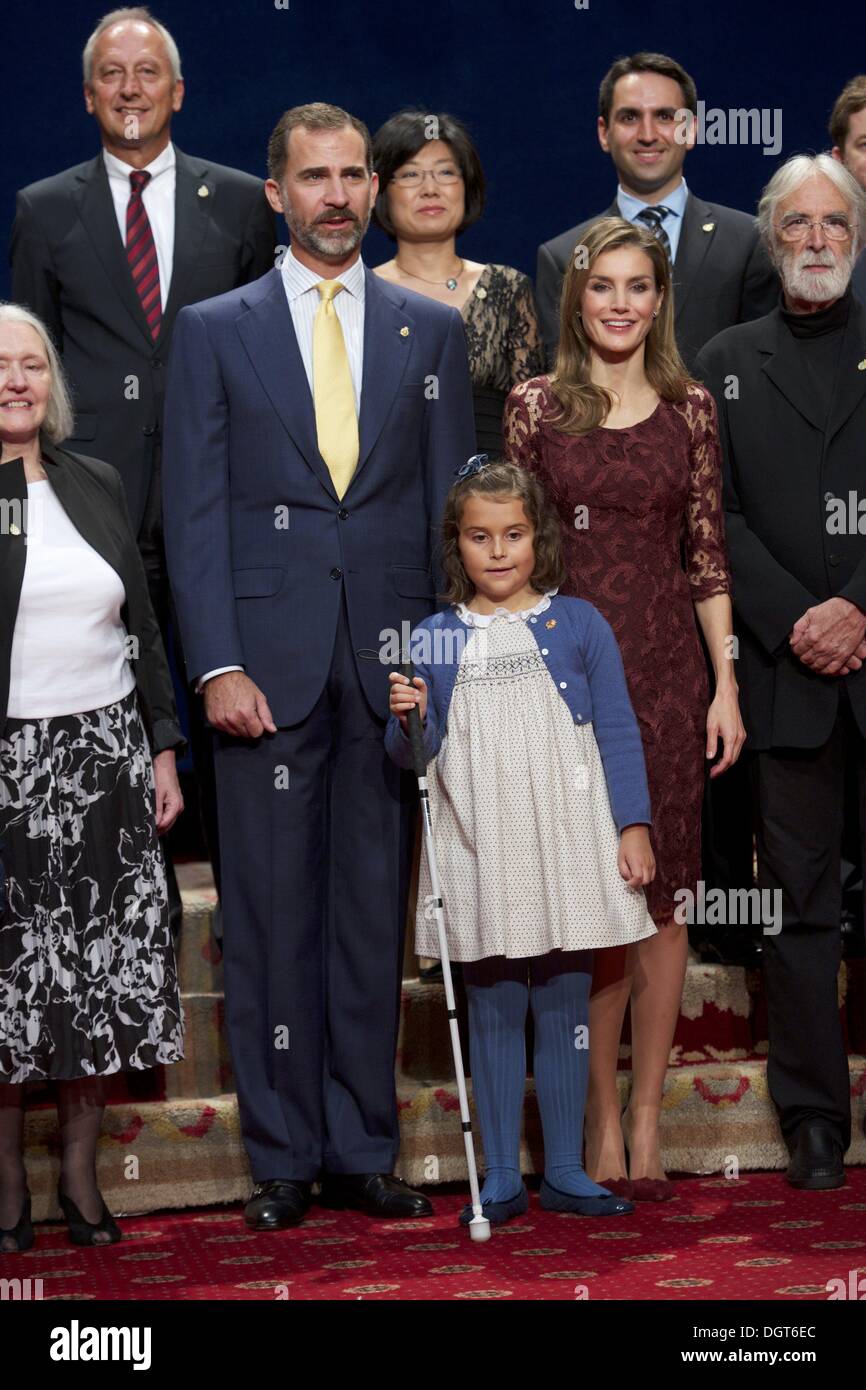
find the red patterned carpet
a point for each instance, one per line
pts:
(750, 1238)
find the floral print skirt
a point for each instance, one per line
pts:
(88, 982)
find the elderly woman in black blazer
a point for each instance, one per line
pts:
(88, 728)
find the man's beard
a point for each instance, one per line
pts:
(806, 285)
(329, 246)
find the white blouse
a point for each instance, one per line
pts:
(70, 648)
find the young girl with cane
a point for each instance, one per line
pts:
(540, 809)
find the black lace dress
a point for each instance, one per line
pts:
(504, 346)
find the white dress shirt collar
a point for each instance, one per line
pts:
(298, 278)
(116, 168)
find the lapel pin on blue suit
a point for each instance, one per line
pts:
(708, 227)
(404, 332)
(203, 191)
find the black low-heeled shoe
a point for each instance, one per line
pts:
(21, 1232)
(81, 1232)
(552, 1199)
(498, 1213)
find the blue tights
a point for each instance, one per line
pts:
(499, 991)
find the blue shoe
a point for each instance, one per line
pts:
(551, 1199)
(498, 1213)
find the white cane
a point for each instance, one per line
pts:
(479, 1226)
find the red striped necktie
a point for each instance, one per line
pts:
(141, 253)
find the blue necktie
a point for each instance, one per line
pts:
(653, 218)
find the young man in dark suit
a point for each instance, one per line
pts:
(791, 395)
(721, 273)
(314, 422)
(108, 252)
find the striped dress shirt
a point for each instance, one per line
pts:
(300, 286)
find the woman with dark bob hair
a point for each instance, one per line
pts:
(431, 189)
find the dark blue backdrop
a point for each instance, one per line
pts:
(523, 73)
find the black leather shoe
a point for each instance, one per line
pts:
(377, 1194)
(816, 1157)
(277, 1203)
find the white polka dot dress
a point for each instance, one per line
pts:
(525, 840)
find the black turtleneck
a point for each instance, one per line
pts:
(817, 345)
(822, 322)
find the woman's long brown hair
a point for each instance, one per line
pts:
(584, 405)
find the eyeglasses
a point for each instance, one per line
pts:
(414, 178)
(796, 228)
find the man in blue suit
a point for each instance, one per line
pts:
(314, 420)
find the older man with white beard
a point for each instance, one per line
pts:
(791, 395)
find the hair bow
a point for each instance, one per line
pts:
(472, 466)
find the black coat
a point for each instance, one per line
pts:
(92, 496)
(69, 266)
(784, 461)
(722, 275)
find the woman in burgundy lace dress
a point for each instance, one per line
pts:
(627, 446)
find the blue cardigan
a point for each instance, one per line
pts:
(581, 654)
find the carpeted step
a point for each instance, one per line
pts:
(180, 1153)
(716, 1024)
(712, 1116)
(206, 1068)
(723, 1018)
(199, 953)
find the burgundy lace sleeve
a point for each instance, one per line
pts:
(521, 428)
(706, 553)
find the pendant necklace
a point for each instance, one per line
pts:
(450, 284)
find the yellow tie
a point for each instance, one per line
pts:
(333, 393)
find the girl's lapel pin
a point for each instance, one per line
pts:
(551, 622)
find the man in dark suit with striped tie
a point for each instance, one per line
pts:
(721, 273)
(108, 252)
